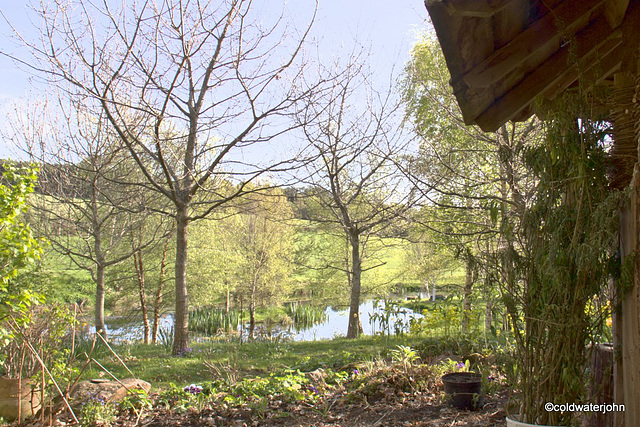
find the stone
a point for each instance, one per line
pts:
(106, 390)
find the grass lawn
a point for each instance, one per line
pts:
(207, 360)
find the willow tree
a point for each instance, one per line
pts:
(186, 85)
(264, 243)
(475, 184)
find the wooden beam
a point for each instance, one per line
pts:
(610, 56)
(543, 35)
(476, 8)
(548, 74)
(523, 115)
(615, 10)
(613, 54)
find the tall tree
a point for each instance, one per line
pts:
(475, 184)
(186, 85)
(355, 137)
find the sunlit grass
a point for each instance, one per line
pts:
(156, 365)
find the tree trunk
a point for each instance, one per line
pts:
(99, 309)
(157, 305)
(355, 325)
(252, 311)
(227, 299)
(488, 314)
(181, 316)
(137, 261)
(100, 263)
(466, 302)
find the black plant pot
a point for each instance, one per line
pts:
(463, 389)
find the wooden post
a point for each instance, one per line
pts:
(601, 386)
(627, 367)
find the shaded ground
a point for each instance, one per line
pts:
(415, 411)
(390, 404)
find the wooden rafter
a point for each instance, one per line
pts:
(610, 54)
(474, 8)
(543, 35)
(550, 73)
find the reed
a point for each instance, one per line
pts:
(305, 316)
(212, 321)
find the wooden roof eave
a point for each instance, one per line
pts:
(540, 60)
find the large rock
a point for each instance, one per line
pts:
(105, 390)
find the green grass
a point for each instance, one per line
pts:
(61, 280)
(153, 364)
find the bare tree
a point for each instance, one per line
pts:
(80, 206)
(186, 85)
(355, 135)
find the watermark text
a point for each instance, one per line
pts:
(583, 407)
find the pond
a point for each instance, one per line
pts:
(373, 316)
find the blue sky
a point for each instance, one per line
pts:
(387, 27)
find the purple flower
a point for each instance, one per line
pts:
(99, 399)
(313, 389)
(185, 352)
(193, 389)
(490, 378)
(460, 365)
(356, 372)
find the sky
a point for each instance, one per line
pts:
(389, 28)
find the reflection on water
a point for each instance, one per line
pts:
(338, 321)
(373, 316)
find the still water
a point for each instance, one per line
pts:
(334, 326)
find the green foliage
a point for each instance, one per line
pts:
(450, 365)
(97, 412)
(318, 250)
(136, 401)
(246, 252)
(256, 393)
(404, 355)
(569, 235)
(19, 250)
(440, 318)
(389, 317)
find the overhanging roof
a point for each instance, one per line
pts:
(502, 54)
